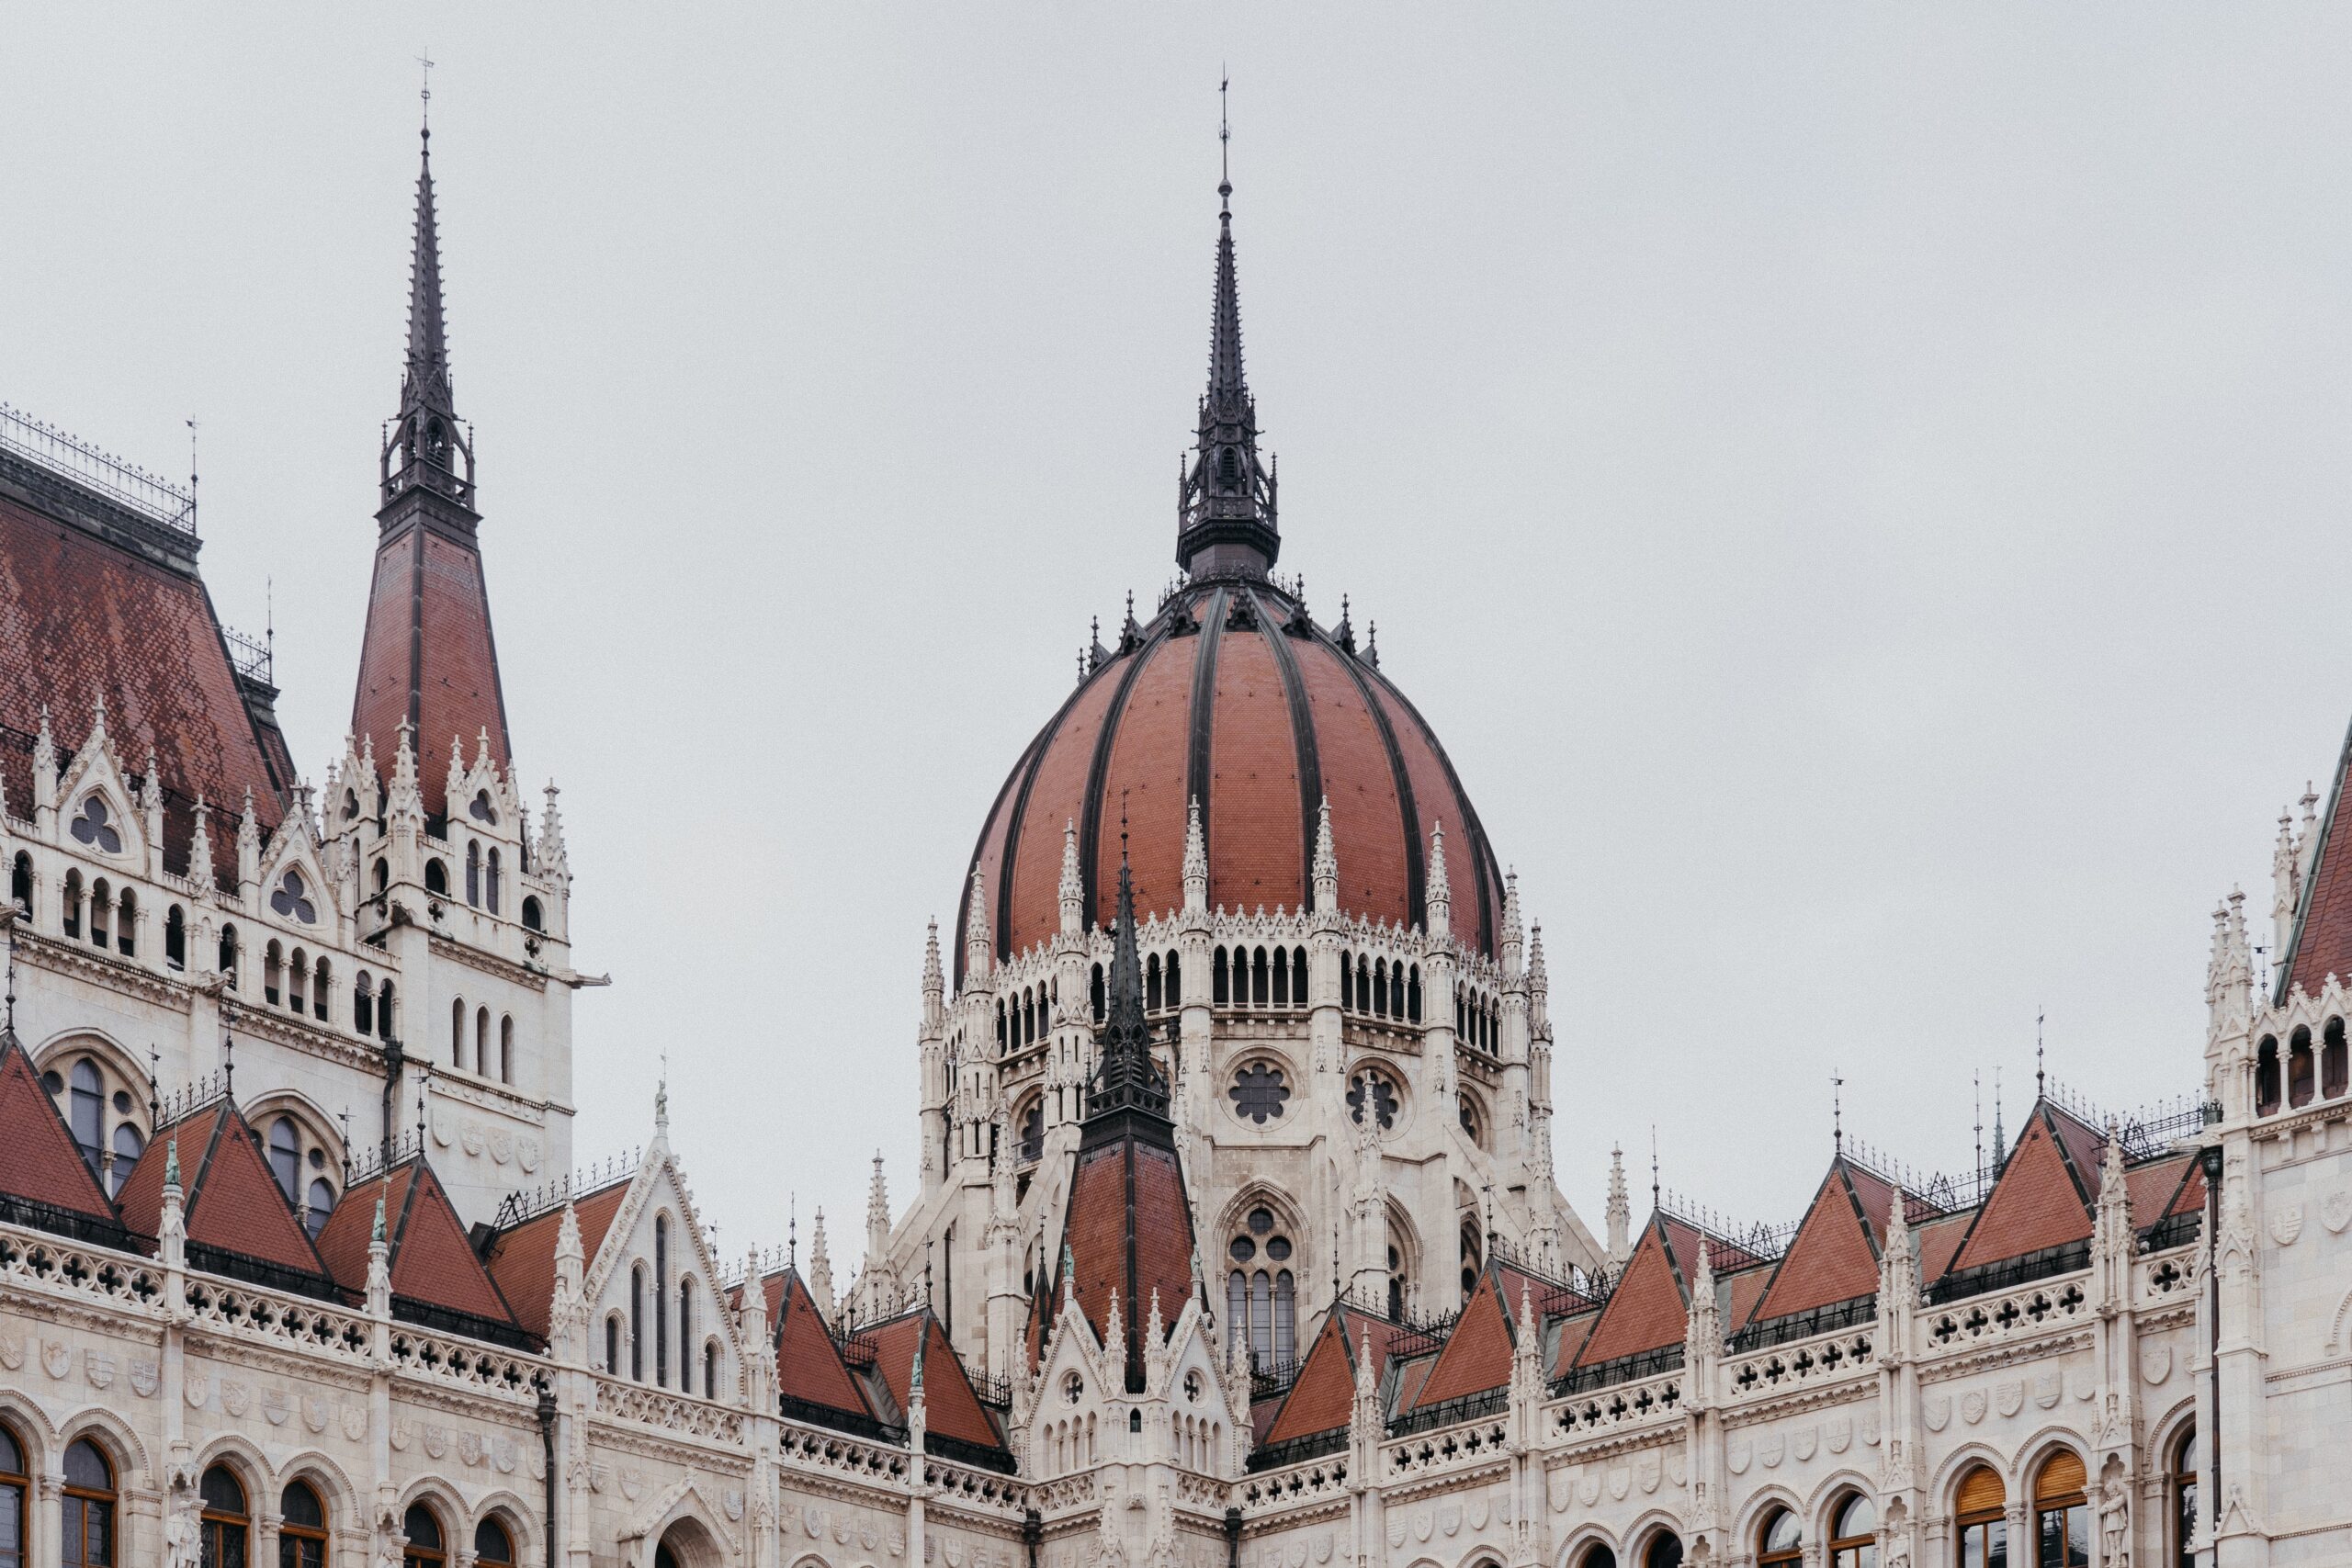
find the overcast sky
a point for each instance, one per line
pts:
(1854, 489)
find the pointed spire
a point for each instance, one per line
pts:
(1226, 509)
(426, 382)
(1327, 862)
(820, 1267)
(934, 980)
(1115, 1336)
(1703, 1333)
(248, 846)
(199, 849)
(1439, 898)
(1126, 1078)
(1196, 860)
(1620, 1213)
(877, 1211)
(1514, 933)
(1073, 886)
(980, 946)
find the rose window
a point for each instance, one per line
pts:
(1380, 1091)
(93, 827)
(1258, 1092)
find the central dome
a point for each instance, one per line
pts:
(1234, 697)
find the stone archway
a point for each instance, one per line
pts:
(687, 1544)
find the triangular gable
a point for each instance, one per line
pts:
(236, 1205)
(1323, 1396)
(1118, 1186)
(432, 1261)
(40, 1162)
(521, 1259)
(311, 894)
(1834, 1256)
(2321, 945)
(2084, 1145)
(1650, 1307)
(1477, 1353)
(951, 1408)
(2036, 1202)
(1939, 1239)
(808, 1365)
(343, 1241)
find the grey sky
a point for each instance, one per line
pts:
(1853, 488)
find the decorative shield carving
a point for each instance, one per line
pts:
(1620, 1481)
(502, 1144)
(2008, 1395)
(1870, 1431)
(1675, 1466)
(1648, 1472)
(146, 1377)
(1482, 1508)
(235, 1397)
(1972, 1406)
(868, 1539)
(354, 1422)
(1297, 1556)
(55, 1358)
(439, 1121)
(1839, 1434)
(2287, 1223)
(196, 1391)
(469, 1448)
(1395, 1532)
(1771, 1450)
(1424, 1523)
(98, 1369)
(812, 1519)
(469, 1138)
(12, 1352)
(1323, 1544)
(2048, 1389)
(2083, 1382)
(526, 1152)
(633, 1487)
(2155, 1362)
(1737, 1457)
(732, 1500)
(1589, 1487)
(436, 1440)
(276, 1407)
(1558, 1487)
(503, 1454)
(841, 1525)
(2335, 1210)
(1936, 1411)
(314, 1413)
(1449, 1518)
(953, 1550)
(1803, 1442)
(897, 1540)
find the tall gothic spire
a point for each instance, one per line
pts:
(1225, 506)
(425, 446)
(1127, 1079)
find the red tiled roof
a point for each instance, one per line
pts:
(1410, 1376)
(1939, 1239)
(1324, 1394)
(2322, 943)
(230, 1199)
(1477, 1354)
(38, 1159)
(1568, 1336)
(950, 1406)
(2035, 1204)
(428, 656)
(1153, 727)
(1096, 1231)
(81, 619)
(432, 1262)
(1650, 1308)
(1746, 1289)
(521, 1258)
(1832, 1258)
(808, 1365)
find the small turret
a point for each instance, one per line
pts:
(935, 982)
(1440, 891)
(199, 849)
(2229, 974)
(979, 947)
(552, 860)
(568, 1307)
(1196, 861)
(877, 1211)
(1327, 863)
(1514, 943)
(821, 1270)
(1704, 1338)
(1620, 1214)
(248, 850)
(45, 776)
(1072, 890)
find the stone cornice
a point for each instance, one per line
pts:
(487, 962)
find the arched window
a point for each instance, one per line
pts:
(69, 916)
(126, 926)
(1779, 1541)
(1151, 997)
(297, 970)
(613, 1345)
(1380, 987)
(457, 1031)
(490, 883)
(15, 1485)
(423, 1532)
(1413, 994)
(2266, 1073)
(1031, 1144)
(384, 875)
(321, 988)
(384, 1012)
(1220, 983)
(473, 873)
(636, 1323)
(532, 919)
(227, 956)
(363, 1004)
(1979, 1513)
(436, 879)
(86, 1108)
(1472, 1256)
(687, 1337)
(319, 1201)
(506, 1048)
(128, 1144)
(89, 1508)
(227, 1527)
(285, 1157)
(20, 884)
(1598, 1556)
(1095, 995)
(272, 962)
(662, 1301)
(1473, 1124)
(2062, 1515)
(1282, 978)
(1261, 1298)
(710, 1369)
(2187, 1462)
(175, 937)
(1258, 1092)
(1376, 1087)
(481, 1041)
(1175, 980)
(2301, 1079)
(1664, 1550)
(1298, 976)
(303, 1540)
(101, 907)
(493, 1546)
(1395, 1286)
(2331, 1059)
(1853, 1534)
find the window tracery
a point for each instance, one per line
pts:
(1261, 1292)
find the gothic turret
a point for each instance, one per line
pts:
(427, 657)
(1225, 503)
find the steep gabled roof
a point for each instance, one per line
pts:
(1322, 1398)
(2321, 943)
(40, 1165)
(1650, 1307)
(2039, 1201)
(230, 1200)
(950, 1406)
(522, 1257)
(433, 1264)
(1834, 1256)
(808, 1364)
(1477, 1353)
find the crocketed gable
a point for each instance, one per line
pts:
(521, 1259)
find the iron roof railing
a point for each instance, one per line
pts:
(1299, 1450)
(70, 458)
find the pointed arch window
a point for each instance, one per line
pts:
(128, 1144)
(1980, 1513)
(89, 1508)
(70, 916)
(20, 884)
(228, 954)
(1780, 1544)
(687, 1337)
(662, 1301)
(16, 1485)
(473, 873)
(227, 1526)
(457, 1031)
(493, 1545)
(636, 1323)
(384, 1012)
(2062, 1515)
(2188, 1462)
(303, 1540)
(1853, 1534)
(86, 1102)
(1261, 1298)
(506, 1048)
(1664, 1550)
(101, 907)
(94, 825)
(175, 937)
(285, 1157)
(424, 1548)
(489, 880)
(318, 1203)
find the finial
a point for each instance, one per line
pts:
(662, 1095)
(376, 1231)
(792, 1230)
(2041, 1081)
(172, 1163)
(1654, 1186)
(1837, 1111)
(1224, 144)
(425, 94)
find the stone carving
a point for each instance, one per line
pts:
(276, 1407)
(1870, 1431)
(146, 1377)
(314, 1413)
(1482, 1508)
(503, 1454)
(436, 1440)
(1839, 1434)
(235, 1396)
(1589, 1487)
(1424, 1523)
(440, 1124)
(2008, 1396)
(526, 1152)
(1771, 1450)
(502, 1144)
(1736, 1458)
(98, 1369)
(1649, 1473)
(403, 1434)
(1675, 1467)
(732, 1500)
(2285, 1224)
(470, 1452)
(1938, 1412)
(2155, 1362)
(2335, 1210)
(1620, 1481)
(55, 1358)
(1396, 1533)
(2048, 1389)
(196, 1391)
(354, 1422)
(1972, 1406)
(812, 1519)
(1803, 1442)
(469, 1138)
(12, 1352)
(1448, 1519)
(2115, 1523)
(180, 1526)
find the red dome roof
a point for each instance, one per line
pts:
(1233, 697)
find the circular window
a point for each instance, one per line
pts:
(1278, 1248)
(1243, 1250)
(1073, 1388)
(121, 1102)
(1192, 1388)
(1380, 1090)
(1261, 1220)
(1258, 1092)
